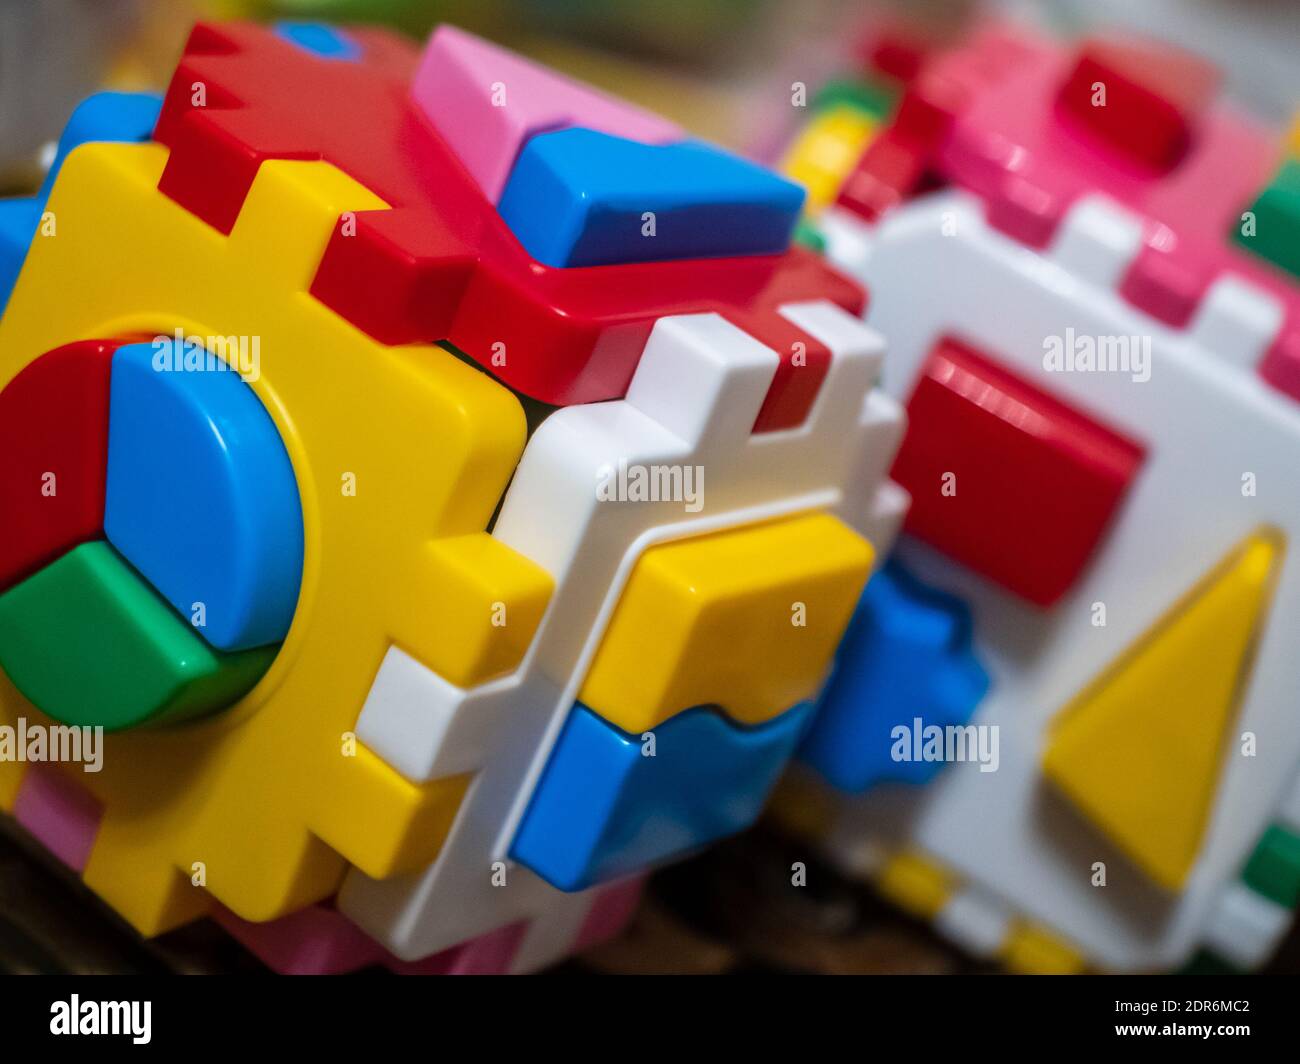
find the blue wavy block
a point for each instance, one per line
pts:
(603, 810)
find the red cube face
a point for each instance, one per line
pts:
(1004, 477)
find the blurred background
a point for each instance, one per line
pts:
(723, 69)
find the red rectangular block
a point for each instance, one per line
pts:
(1004, 477)
(1140, 97)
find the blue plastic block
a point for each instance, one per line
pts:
(106, 116)
(114, 117)
(581, 198)
(907, 655)
(202, 498)
(320, 39)
(18, 221)
(603, 810)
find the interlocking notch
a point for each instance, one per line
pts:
(440, 264)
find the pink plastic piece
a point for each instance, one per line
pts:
(487, 102)
(1011, 125)
(1009, 145)
(319, 940)
(489, 954)
(313, 941)
(63, 816)
(1024, 212)
(1165, 285)
(609, 913)
(1281, 365)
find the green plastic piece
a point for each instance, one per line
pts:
(416, 17)
(807, 234)
(90, 643)
(1276, 234)
(1274, 868)
(869, 97)
(1206, 963)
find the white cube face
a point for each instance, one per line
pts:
(1221, 450)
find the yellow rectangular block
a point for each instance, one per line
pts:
(916, 884)
(826, 152)
(745, 619)
(1030, 950)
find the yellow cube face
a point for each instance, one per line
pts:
(372, 578)
(745, 619)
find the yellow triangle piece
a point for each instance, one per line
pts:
(1138, 751)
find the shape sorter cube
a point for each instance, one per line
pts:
(369, 640)
(1081, 261)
